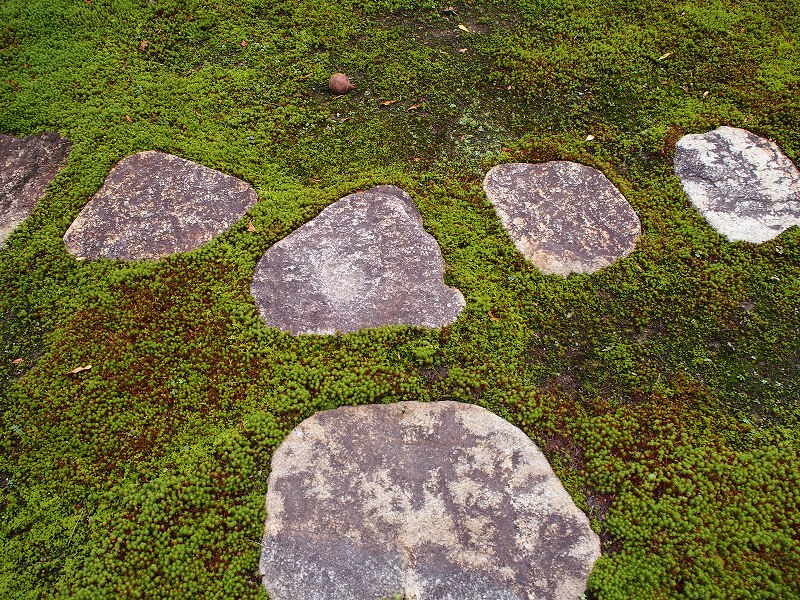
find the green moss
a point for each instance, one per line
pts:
(663, 389)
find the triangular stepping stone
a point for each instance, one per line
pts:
(154, 204)
(365, 261)
(429, 501)
(743, 185)
(564, 217)
(27, 166)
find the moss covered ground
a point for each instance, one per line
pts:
(664, 389)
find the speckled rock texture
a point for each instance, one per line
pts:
(564, 217)
(438, 501)
(27, 166)
(154, 204)
(744, 186)
(364, 261)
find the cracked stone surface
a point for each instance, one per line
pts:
(433, 501)
(564, 217)
(743, 185)
(154, 204)
(364, 261)
(27, 166)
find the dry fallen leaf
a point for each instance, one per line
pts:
(388, 102)
(663, 56)
(312, 180)
(493, 316)
(79, 369)
(143, 45)
(705, 94)
(415, 106)
(463, 27)
(462, 50)
(17, 361)
(589, 137)
(251, 227)
(128, 119)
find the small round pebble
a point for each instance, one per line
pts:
(340, 84)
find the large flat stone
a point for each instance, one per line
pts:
(154, 204)
(743, 185)
(364, 261)
(432, 501)
(564, 217)
(27, 166)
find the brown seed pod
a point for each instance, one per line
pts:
(340, 84)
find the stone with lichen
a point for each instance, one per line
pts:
(438, 500)
(562, 216)
(27, 166)
(364, 261)
(154, 204)
(743, 185)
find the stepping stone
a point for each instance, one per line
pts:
(27, 166)
(154, 204)
(743, 185)
(430, 501)
(564, 217)
(365, 261)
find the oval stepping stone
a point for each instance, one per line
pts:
(154, 204)
(27, 166)
(364, 261)
(743, 185)
(431, 501)
(564, 217)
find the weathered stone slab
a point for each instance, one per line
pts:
(154, 204)
(364, 261)
(564, 217)
(432, 501)
(743, 185)
(27, 166)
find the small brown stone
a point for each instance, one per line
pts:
(340, 84)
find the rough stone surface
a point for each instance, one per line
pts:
(434, 501)
(365, 261)
(27, 166)
(154, 204)
(564, 217)
(744, 186)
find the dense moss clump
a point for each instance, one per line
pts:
(664, 389)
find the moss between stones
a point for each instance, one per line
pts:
(663, 389)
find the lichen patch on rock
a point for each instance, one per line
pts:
(27, 166)
(365, 261)
(743, 185)
(153, 204)
(564, 217)
(432, 501)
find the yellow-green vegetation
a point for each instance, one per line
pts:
(664, 389)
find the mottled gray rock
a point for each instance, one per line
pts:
(365, 261)
(564, 217)
(744, 186)
(154, 204)
(434, 501)
(27, 166)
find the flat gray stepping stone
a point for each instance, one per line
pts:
(434, 501)
(365, 261)
(27, 166)
(154, 204)
(743, 185)
(564, 217)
